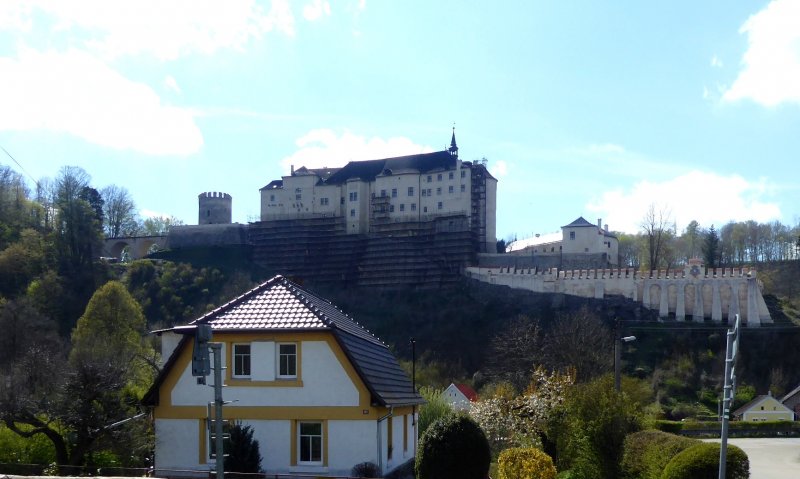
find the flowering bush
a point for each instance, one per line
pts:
(525, 463)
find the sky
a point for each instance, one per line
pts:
(582, 108)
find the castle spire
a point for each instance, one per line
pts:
(453, 147)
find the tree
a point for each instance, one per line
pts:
(159, 225)
(692, 235)
(579, 340)
(655, 226)
(711, 248)
(74, 402)
(454, 447)
(119, 212)
(243, 454)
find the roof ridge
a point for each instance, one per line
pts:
(237, 300)
(301, 295)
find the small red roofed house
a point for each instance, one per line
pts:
(460, 396)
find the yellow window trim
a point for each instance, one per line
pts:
(202, 441)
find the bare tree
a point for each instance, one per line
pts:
(579, 340)
(120, 212)
(656, 228)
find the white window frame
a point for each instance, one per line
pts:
(234, 355)
(311, 437)
(279, 362)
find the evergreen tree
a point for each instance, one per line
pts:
(243, 454)
(711, 248)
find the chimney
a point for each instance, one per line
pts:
(606, 227)
(292, 170)
(600, 223)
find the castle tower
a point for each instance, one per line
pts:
(214, 208)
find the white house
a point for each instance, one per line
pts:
(375, 195)
(320, 392)
(459, 396)
(580, 244)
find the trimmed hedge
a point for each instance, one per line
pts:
(525, 463)
(739, 428)
(646, 453)
(453, 447)
(702, 462)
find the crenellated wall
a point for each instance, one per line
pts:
(693, 293)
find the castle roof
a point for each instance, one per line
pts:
(369, 169)
(281, 305)
(579, 223)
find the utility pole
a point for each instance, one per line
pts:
(731, 348)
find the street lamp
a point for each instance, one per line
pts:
(618, 357)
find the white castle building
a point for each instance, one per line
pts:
(377, 196)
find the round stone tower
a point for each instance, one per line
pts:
(215, 208)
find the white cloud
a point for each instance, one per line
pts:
(324, 147)
(770, 72)
(171, 84)
(316, 9)
(164, 29)
(499, 169)
(75, 93)
(716, 62)
(705, 197)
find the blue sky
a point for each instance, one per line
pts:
(593, 108)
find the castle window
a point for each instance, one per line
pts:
(438, 191)
(298, 197)
(450, 175)
(439, 177)
(585, 250)
(383, 193)
(463, 173)
(402, 207)
(410, 191)
(424, 192)
(272, 197)
(429, 178)
(391, 208)
(572, 235)
(354, 196)
(440, 205)
(208, 213)
(394, 192)
(450, 189)
(352, 213)
(463, 188)
(424, 209)
(323, 201)
(413, 207)
(429, 192)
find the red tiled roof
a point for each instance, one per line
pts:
(468, 392)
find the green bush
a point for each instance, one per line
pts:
(702, 462)
(525, 463)
(646, 453)
(434, 408)
(15, 449)
(454, 447)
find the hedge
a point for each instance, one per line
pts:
(525, 463)
(740, 428)
(702, 462)
(646, 453)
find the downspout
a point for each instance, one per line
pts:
(380, 441)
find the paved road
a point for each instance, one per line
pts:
(771, 458)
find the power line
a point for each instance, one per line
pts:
(35, 182)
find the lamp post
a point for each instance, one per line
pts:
(618, 356)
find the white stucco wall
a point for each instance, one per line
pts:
(351, 443)
(177, 444)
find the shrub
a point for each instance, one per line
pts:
(454, 447)
(434, 408)
(646, 453)
(702, 462)
(243, 455)
(525, 463)
(365, 469)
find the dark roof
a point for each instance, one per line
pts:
(281, 305)
(580, 222)
(368, 170)
(790, 394)
(274, 184)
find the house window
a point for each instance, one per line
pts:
(439, 191)
(354, 196)
(310, 443)
(410, 191)
(572, 235)
(402, 207)
(439, 177)
(241, 360)
(287, 360)
(413, 207)
(450, 189)
(440, 205)
(394, 192)
(352, 213)
(323, 201)
(463, 188)
(450, 175)
(463, 174)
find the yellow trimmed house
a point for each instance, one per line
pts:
(764, 408)
(320, 392)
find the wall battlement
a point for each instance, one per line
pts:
(214, 208)
(214, 194)
(693, 293)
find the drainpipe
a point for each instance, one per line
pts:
(380, 438)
